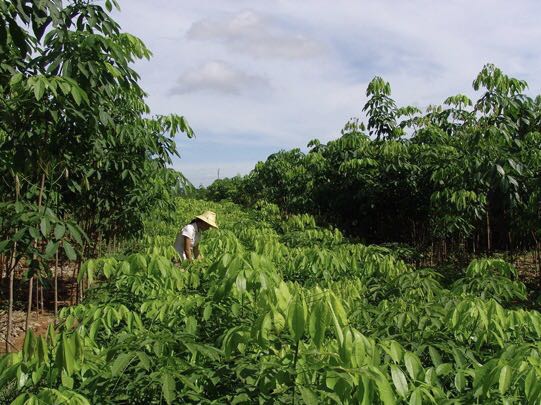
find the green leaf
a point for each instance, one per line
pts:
(444, 369)
(399, 381)
(29, 345)
(505, 379)
(70, 252)
(296, 317)
(385, 391)
(144, 360)
(120, 363)
(67, 381)
(319, 320)
(51, 249)
(21, 399)
(309, 396)
(416, 397)
(59, 231)
(240, 398)
(207, 312)
(460, 381)
(413, 364)
(76, 94)
(435, 355)
(396, 351)
(15, 79)
(45, 226)
(75, 233)
(39, 88)
(168, 388)
(68, 353)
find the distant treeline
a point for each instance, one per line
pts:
(465, 174)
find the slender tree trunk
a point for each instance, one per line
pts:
(31, 282)
(3, 268)
(74, 286)
(56, 285)
(29, 309)
(488, 233)
(11, 270)
(42, 299)
(37, 297)
(537, 258)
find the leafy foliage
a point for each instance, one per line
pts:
(270, 317)
(464, 174)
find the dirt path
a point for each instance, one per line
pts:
(38, 325)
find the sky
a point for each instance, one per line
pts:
(254, 77)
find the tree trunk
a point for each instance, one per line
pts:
(11, 270)
(29, 309)
(42, 299)
(56, 285)
(488, 233)
(31, 282)
(37, 297)
(3, 268)
(75, 284)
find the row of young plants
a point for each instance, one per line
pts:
(281, 311)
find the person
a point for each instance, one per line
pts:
(187, 241)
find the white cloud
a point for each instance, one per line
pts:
(256, 35)
(218, 76)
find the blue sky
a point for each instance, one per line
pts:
(253, 77)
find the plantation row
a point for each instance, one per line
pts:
(281, 311)
(458, 177)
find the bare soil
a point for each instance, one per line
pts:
(38, 323)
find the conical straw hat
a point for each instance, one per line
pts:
(209, 217)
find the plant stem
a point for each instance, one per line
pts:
(295, 369)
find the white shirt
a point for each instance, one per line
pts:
(190, 231)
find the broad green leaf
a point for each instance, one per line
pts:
(34, 233)
(168, 388)
(319, 320)
(435, 356)
(75, 233)
(240, 399)
(396, 351)
(413, 364)
(67, 381)
(51, 248)
(296, 317)
(399, 381)
(70, 252)
(416, 397)
(59, 231)
(308, 396)
(144, 360)
(385, 391)
(505, 379)
(460, 381)
(39, 88)
(45, 226)
(444, 369)
(15, 79)
(120, 363)
(76, 94)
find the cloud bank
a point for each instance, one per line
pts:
(218, 76)
(254, 34)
